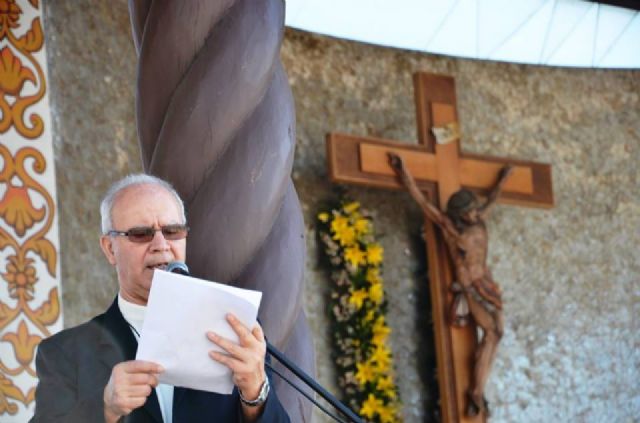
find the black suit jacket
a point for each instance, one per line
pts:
(74, 366)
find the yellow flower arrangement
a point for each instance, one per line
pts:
(351, 208)
(342, 232)
(376, 292)
(373, 275)
(380, 331)
(357, 298)
(385, 383)
(371, 406)
(358, 310)
(387, 414)
(355, 256)
(382, 358)
(366, 373)
(362, 226)
(374, 254)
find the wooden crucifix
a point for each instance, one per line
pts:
(440, 169)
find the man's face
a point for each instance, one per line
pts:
(142, 206)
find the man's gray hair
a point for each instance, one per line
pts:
(106, 207)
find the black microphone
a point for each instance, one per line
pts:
(178, 267)
(182, 269)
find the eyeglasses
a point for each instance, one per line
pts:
(146, 234)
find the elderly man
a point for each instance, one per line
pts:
(88, 373)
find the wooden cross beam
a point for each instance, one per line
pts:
(440, 169)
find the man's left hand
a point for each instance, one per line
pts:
(246, 359)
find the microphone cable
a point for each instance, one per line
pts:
(306, 395)
(293, 368)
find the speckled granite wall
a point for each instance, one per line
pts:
(571, 275)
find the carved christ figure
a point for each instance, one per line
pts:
(475, 292)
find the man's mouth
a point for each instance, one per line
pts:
(161, 266)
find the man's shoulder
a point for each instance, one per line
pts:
(83, 336)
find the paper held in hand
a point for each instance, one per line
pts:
(180, 311)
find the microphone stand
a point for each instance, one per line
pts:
(183, 269)
(313, 385)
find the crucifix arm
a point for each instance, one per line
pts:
(429, 209)
(504, 174)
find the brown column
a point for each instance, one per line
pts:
(216, 118)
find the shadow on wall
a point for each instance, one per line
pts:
(426, 348)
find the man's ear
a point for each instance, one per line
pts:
(106, 243)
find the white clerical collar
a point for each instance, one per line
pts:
(132, 313)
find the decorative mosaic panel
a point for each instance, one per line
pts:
(29, 271)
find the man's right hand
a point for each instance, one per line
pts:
(130, 384)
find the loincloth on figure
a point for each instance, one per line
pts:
(487, 293)
(483, 291)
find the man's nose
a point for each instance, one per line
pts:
(159, 242)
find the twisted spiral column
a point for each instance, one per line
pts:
(216, 118)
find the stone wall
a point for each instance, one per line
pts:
(570, 275)
(92, 74)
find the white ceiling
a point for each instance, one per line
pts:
(545, 32)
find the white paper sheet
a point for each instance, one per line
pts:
(180, 311)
